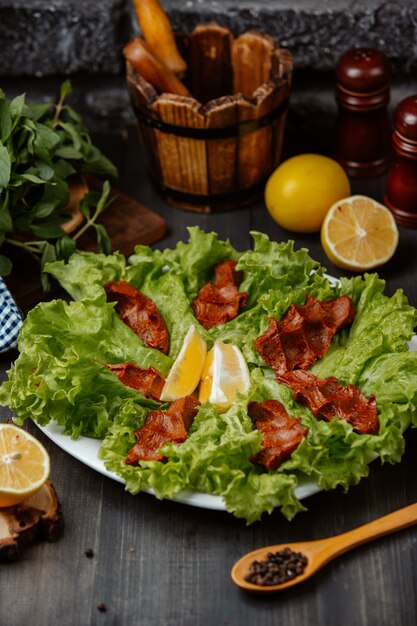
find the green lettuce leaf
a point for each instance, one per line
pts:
(275, 266)
(60, 373)
(194, 261)
(84, 275)
(381, 325)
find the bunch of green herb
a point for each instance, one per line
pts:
(41, 147)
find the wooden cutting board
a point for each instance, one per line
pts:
(39, 517)
(128, 223)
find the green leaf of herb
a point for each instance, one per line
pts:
(47, 230)
(43, 209)
(68, 152)
(5, 120)
(65, 247)
(73, 115)
(56, 192)
(46, 138)
(6, 223)
(97, 163)
(45, 282)
(103, 239)
(103, 201)
(89, 199)
(66, 89)
(5, 166)
(5, 265)
(72, 133)
(45, 171)
(64, 169)
(33, 179)
(36, 111)
(48, 254)
(17, 104)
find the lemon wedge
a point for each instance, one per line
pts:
(186, 371)
(359, 234)
(225, 374)
(24, 465)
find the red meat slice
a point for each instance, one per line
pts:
(304, 334)
(162, 427)
(282, 433)
(149, 381)
(140, 313)
(219, 302)
(327, 399)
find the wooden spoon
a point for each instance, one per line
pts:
(324, 550)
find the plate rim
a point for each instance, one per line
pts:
(91, 446)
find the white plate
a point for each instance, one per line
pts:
(86, 449)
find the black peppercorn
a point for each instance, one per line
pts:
(279, 567)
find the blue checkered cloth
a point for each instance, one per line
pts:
(10, 319)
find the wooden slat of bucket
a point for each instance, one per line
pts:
(222, 153)
(285, 61)
(257, 157)
(252, 55)
(183, 161)
(210, 73)
(252, 58)
(143, 95)
(141, 92)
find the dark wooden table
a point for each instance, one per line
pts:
(159, 563)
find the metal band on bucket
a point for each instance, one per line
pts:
(233, 130)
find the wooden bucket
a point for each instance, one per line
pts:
(214, 151)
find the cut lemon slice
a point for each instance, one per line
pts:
(206, 378)
(225, 374)
(359, 234)
(186, 371)
(24, 465)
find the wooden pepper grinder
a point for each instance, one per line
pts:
(363, 132)
(401, 191)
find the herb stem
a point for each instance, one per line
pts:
(21, 244)
(87, 225)
(58, 109)
(82, 230)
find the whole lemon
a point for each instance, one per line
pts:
(301, 190)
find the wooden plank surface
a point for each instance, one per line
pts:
(158, 563)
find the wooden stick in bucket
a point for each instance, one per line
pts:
(141, 57)
(157, 31)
